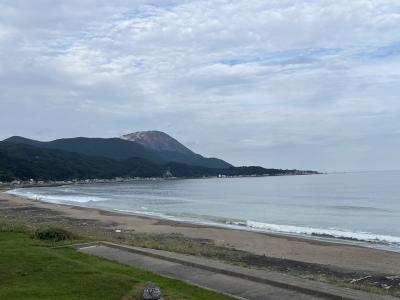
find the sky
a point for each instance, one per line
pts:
(277, 83)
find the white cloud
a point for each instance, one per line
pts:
(236, 79)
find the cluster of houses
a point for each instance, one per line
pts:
(32, 182)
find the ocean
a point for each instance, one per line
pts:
(354, 207)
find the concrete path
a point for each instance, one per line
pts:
(236, 281)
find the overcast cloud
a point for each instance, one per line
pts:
(291, 84)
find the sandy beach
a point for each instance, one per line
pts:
(336, 255)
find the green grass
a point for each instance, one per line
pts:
(31, 269)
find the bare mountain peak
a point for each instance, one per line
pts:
(157, 140)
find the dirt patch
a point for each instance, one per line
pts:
(32, 211)
(37, 215)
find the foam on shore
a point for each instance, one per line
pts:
(329, 233)
(54, 198)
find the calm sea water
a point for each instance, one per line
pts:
(363, 206)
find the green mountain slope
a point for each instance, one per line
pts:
(113, 148)
(122, 149)
(21, 161)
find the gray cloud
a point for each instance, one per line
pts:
(293, 84)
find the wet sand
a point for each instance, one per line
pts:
(346, 256)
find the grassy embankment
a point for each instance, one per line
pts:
(32, 269)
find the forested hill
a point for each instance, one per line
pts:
(154, 146)
(24, 162)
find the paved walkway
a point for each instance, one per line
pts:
(236, 281)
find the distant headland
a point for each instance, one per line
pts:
(144, 154)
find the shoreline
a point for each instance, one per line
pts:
(333, 252)
(239, 225)
(208, 223)
(50, 183)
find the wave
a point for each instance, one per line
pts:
(147, 214)
(329, 233)
(359, 208)
(55, 198)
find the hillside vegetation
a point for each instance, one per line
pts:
(123, 149)
(24, 162)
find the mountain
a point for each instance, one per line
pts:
(140, 154)
(154, 146)
(157, 140)
(113, 148)
(169, 149)
(23, 162)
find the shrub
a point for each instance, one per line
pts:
(53, 234)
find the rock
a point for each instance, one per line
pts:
(151, 292)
